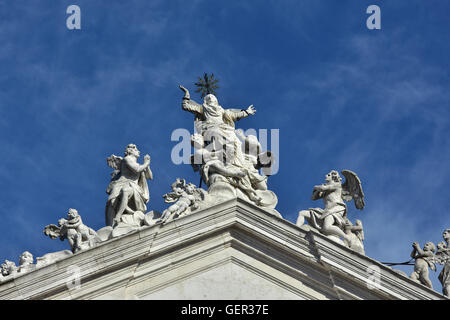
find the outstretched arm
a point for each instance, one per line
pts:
(238, 115)
(328, 187)
(190, 105)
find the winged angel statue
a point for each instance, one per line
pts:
(128, 190)
(332, 220)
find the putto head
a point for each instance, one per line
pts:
(26, 258)
(334, 176)
(72, 213)
(429, 246)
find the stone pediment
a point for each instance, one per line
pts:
(233, 250)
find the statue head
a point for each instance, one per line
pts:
(446, 235)
(131, 149)
(190, 188)
(429, 246)
(72, 214)
(26, 258)
(211, 100)
(333, 176)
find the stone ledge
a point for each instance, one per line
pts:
(234, 237)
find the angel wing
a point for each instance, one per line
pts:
(114, 161)
(53, 231)
(175, 195)
(171, 197)
(352, 190)
(442, 255)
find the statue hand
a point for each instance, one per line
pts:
(251, 110)
(415, 245)
(147, 158)
(186, 91)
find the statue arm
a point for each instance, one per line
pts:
(136, 167)
(238, 115)
(191, 106)
(188, 104)
(327, 187)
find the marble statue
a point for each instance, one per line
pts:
(443, 257)
(332, 220)
(424, 259)
(8, 268)
(227, 168)
(128, 191)
(355, 235)
(26, 260)
(186, 197)
(78, 235)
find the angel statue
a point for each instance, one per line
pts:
(186, 197)
(73, 229)
(332, 220)
(128, 190)
(443, 257)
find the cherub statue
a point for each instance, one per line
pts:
(331, 220)
(186, 197)
(424, 259)
(8, 268)
(25, 262)
(356, 236)
(128, 190)
(443, 257)
(80, 236)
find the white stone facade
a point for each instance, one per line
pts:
(234, 250)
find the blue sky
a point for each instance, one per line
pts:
(343, 97)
